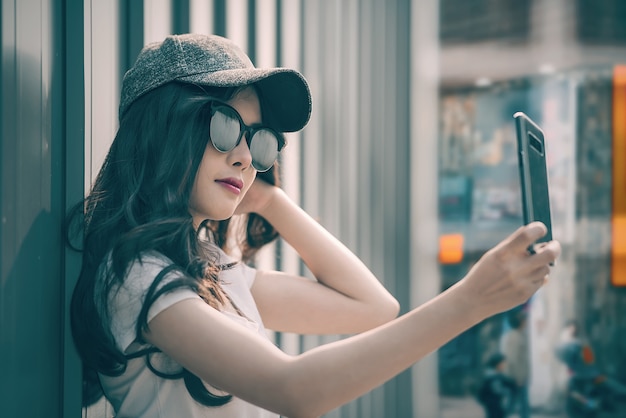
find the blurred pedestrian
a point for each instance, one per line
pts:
(578, 356)
(575, 352)
(515, 347)
(496, 388)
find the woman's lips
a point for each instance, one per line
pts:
(231, 183)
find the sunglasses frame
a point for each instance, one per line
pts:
(247, 130)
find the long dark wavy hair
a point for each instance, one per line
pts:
(139, 203)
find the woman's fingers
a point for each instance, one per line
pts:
(509, 274)
(547, 253)
(525, 236)
(536, 267)
(539, 275)
(515, 247)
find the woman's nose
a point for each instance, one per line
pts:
(240, 155)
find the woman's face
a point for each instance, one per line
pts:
(224, 178)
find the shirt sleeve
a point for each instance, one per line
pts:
(126, 301)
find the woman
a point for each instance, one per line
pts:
(167, 316)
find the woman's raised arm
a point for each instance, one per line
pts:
(346, 297)
(237, 360)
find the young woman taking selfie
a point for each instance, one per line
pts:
(168, 315)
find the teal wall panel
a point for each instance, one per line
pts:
(33, 188)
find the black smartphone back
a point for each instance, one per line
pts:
(533, 173)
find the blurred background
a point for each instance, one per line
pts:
(409, 158)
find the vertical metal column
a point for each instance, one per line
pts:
(41, 174)
(31, 212)
(424, 174)
(113, 34)
(355, 151)
(72, 113)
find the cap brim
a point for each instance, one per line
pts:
(284, 93)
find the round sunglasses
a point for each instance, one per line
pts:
(226, 129)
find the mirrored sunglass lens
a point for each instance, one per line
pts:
(264, 149)
(224, 131)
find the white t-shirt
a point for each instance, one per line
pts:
(139, 392)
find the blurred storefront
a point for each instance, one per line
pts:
(559, 62)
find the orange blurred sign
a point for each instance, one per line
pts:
(618, 218)
(451, 248)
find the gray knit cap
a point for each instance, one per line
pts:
(211, 60)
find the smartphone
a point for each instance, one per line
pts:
(533, 173)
